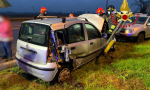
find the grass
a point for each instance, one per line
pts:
(135, 67)
(128, 68)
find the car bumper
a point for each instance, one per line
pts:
(46, 72)
(123, 36)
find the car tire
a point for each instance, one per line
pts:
(63, 74)
(140, 38)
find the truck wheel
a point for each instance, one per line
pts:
(140, 38)
(63, 74)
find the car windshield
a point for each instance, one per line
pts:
(141, 20)
(34, 33)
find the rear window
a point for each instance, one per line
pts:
(34, 33)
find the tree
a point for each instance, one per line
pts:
(142, 5)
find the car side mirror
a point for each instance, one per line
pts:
(148, 24)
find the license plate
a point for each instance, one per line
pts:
(27, 54)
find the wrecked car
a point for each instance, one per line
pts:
(51, 48)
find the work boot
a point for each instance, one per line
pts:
(5, 57)
(8, 59)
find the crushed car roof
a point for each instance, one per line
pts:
(44, 21)
(56, 23)
(49, 21)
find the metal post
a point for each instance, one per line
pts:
(121, 22)
(106, 5)
(113, 33)
(121, 27)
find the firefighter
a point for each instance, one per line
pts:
(43, 11)
(100, 11)
(71, 15)
(111, 24)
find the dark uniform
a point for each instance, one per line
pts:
(111, 24)
(41, 14)
(105, 26)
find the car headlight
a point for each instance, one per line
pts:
(129, 31)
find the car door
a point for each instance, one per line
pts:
(77, 42)
(147, 28)
(94, 40)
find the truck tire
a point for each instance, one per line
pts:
(140, 38)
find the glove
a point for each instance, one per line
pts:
(104, 35)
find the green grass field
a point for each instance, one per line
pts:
(128, 68)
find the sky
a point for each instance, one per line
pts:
(63, 5)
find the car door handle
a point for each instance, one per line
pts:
(73, 48)
(91, 43)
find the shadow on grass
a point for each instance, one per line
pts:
(28, 76)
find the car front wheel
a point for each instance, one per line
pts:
(140, 38)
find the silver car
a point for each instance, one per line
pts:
(51, 48)
(137, 31)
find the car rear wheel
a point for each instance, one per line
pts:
(63, 74)
(140, 38)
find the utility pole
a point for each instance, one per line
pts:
(106, 5)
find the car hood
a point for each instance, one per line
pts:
(95, 19)
(130, 26)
